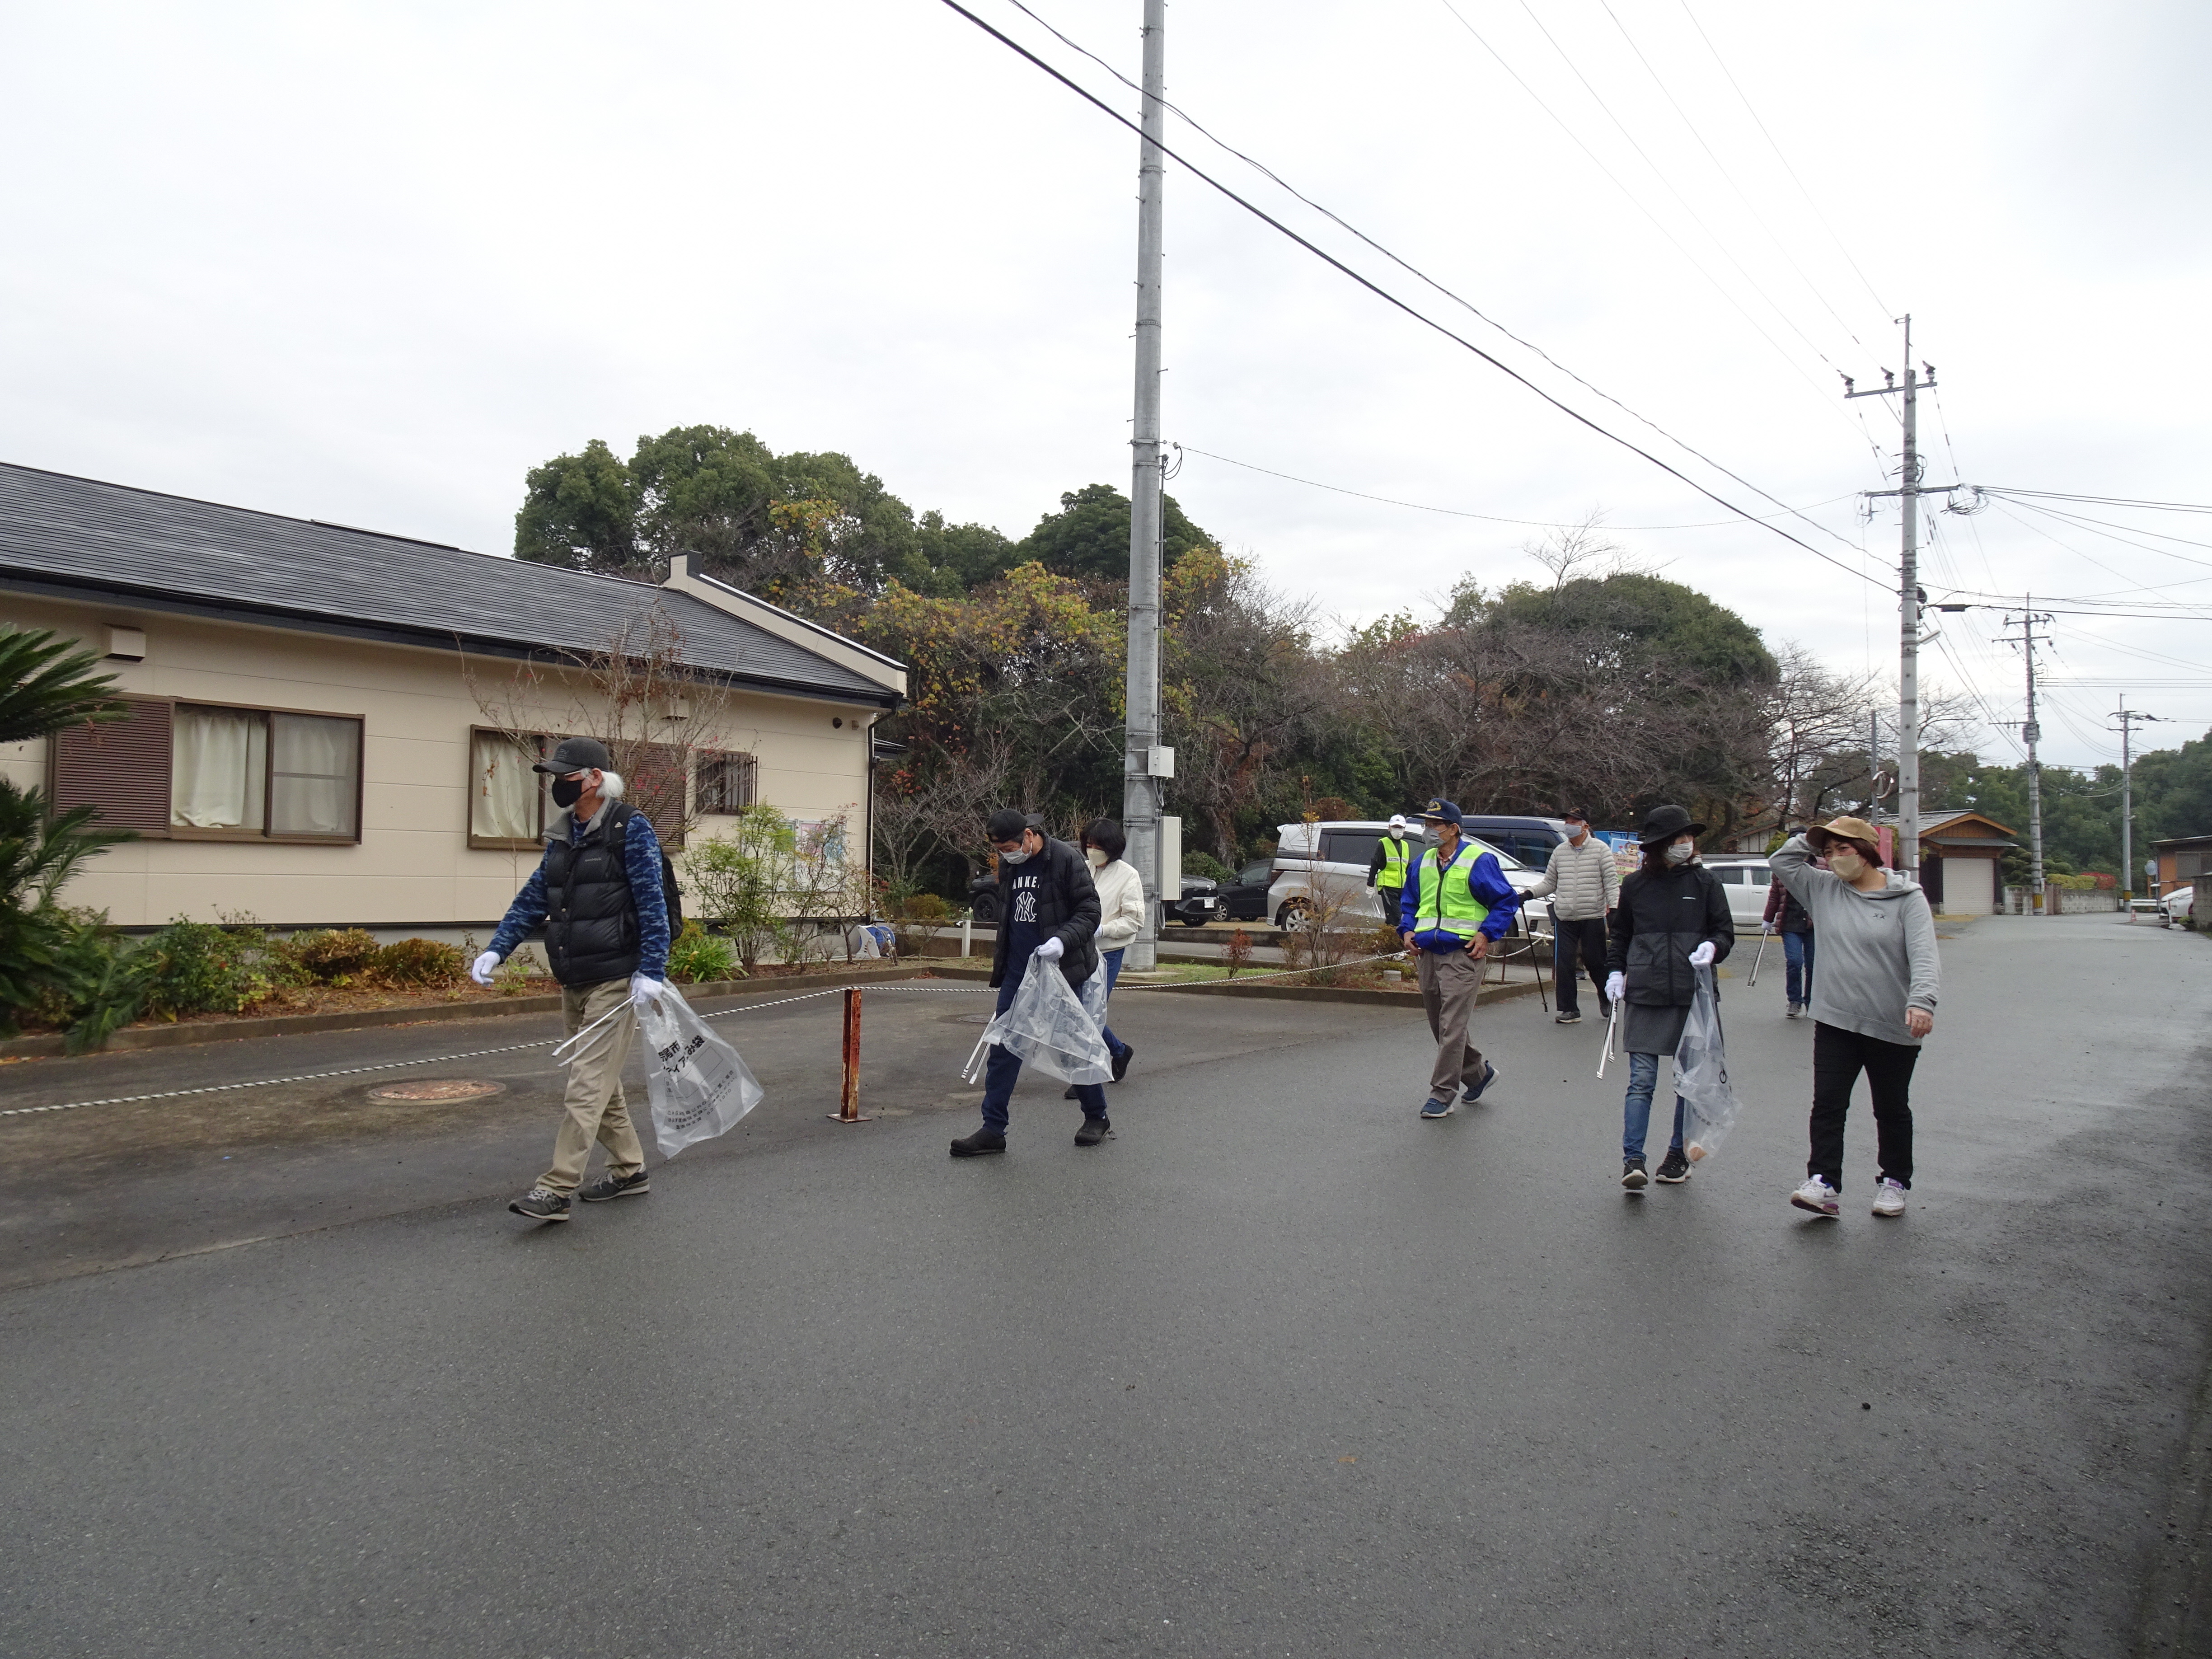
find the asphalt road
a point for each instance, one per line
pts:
(1280, 1371)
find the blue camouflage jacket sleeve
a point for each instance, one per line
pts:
(641, 864)
(527, 911)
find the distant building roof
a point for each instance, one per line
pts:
(2183, 841)
(70, 535)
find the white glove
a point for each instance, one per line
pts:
(643, 990)
(480, 969)
(1051, 950)
(1616, 987)
(1702, 956)
(1766, 927)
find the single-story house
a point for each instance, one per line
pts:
(1961, 863)
(334, 726)
(2181, 861)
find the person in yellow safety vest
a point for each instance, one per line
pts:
(1457, 904)
(1386, 871)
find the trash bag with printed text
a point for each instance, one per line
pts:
(698, 1084)
(1047, 1026)
(1701, 1077)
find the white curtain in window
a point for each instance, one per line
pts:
(218, 769)
(315, 774)
(504, 804)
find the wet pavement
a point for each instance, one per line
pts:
(1280, 1370)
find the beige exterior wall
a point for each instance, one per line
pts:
(413, 866)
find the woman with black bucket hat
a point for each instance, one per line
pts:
(1672, 919)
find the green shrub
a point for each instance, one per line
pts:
(925, 907)
(743, 880)
(697, 955)
(419, 965)
(334, 956)
(1205, 864)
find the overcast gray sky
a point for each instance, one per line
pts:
(371, 262)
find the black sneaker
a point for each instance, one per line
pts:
(542, 1204)
(1094, 1130)
(1631, 1174)
(1567, 1017)
(1673, 1169)
(1074, 1092)
(611, 1185)
(976, 1145)
(1121, 1060)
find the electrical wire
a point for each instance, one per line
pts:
(2110, 528)
(1721, 167)
(1418, 274)
(1638, 203)
(1744, 98)
(1457, 513)
(1391, 299)
(2100, 501)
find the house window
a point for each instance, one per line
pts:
(507, 799)
(726, 784)
(262, 774)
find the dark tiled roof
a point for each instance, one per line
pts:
(82, 532)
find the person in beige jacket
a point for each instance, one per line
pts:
(1121, 913)
(1586, 881)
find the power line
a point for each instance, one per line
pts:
(1744, 98)
(2112, 529)
(1469, 305)
(2100, 500)
(1389, 298)
(1457, 513)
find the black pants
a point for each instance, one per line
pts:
(1838, 1057)
(1574, 944)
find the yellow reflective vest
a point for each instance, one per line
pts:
(1444, 904)
(1396, 855)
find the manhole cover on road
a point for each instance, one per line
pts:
(452, 1088)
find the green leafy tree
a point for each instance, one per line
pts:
(1089, 537)
(581, 512)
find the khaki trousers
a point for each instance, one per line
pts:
(595, 1109)
(1448, 984)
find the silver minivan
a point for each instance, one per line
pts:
(1747, 880)
(1329, 861)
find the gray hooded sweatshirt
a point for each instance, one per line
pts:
(1877, 950)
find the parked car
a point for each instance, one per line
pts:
(2176, 904)
(1337, 853)
(1746, 880)
(1244, 897)
(1530, 840)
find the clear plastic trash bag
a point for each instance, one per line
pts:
(699, 1086)
(1701, 1079)
(1047, 1026)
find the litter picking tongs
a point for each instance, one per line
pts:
(561, 1054)
(1759, 957)
(1611, 1023)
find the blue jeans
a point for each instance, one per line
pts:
(1636, 1111)
(1003, 1069)
(1798, 949)
(1112, 958)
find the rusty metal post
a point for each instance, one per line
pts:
(849, 1105)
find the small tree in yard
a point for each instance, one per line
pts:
(47, 682)
(739, 878)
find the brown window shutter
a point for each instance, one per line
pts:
(655, 781)
(121, 767)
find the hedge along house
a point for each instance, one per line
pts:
(331, 728)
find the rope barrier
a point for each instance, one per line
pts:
(719, 1013)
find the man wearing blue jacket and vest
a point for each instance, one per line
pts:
(597, 891)
(1456, 904)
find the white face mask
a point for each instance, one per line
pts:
(1397, 832)
(1681, 853)
(1847, 864)
(1577, 832)
(1098, 857)
(1020, 855)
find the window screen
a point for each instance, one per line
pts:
(314, 771)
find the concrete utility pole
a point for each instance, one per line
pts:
(1143, 762)
(1909, 601)
(2127, 718)
(2030, 733)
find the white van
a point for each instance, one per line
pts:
(1332, 858)
(1747, 880)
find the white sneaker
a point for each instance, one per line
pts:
(1817, 1196)
(1888, 1197)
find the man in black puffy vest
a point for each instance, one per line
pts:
(597, 891)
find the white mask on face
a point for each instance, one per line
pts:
(1397, 832)
(1577, 832)
(1847, 864)
(1681, 853)
(1020, 855)
(1098, 857)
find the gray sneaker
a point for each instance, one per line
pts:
(611, 1185)
(542, 1204)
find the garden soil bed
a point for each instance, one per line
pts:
(327, 1009)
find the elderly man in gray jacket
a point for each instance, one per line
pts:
(1582, 872)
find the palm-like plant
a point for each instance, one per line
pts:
(46, 682)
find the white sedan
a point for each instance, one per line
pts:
(2176, 905)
